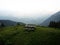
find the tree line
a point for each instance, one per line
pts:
(54, 24)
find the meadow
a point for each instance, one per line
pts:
(16, 35)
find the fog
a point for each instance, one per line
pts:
(29, 8)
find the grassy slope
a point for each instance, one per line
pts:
(41, 36)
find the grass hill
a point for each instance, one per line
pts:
(15, 35)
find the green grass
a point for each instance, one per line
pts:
(41, 36)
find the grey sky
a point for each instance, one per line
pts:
(30, 7)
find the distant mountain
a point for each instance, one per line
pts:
(16, 19)
(8, 22)
(33, 20)
(38, 19)
(55, 17)
(26, 20)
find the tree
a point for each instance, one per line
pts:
(54, 24)
(2, 25)
(58, 24)
(18, 23)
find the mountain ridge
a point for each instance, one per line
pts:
(55, 17)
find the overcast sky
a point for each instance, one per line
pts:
(30, 7)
